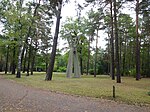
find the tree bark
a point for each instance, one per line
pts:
(116, 44)
(70, 63)
(18, 75)
(29, 58)
(1, 64)
(137, 44)
(13, 61)
(46, 66)
(112, 44)
(46, 62)
(120, 52)
(124, 59)
(88, 61)
(130, 56)
(33, 57)
(81, 60)
(148, 55)
(23, 50)
(6, 66)
(28, 35)
(53, 53)
(95, 71)
(33, 62)
(24, 63)
(77, 72)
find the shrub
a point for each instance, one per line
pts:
(145, 72)
(149, 93)
(91, 71)
(61, 69)
(132, 72)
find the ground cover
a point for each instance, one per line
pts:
(129, 91)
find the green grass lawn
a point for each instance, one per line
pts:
(129, 91)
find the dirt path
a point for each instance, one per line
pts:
(18, 98)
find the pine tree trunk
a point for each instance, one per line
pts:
(24, 63)
(123, 62)
(112, 44)
(13, 61)
(46, 67)
(120, 52)
(1, 64)
(88, 60)
(23, 50)
(109, 57)
(81, 65)
(46, 63)
(130, 56)
(6, 66)
(137, 44)
(124, 67)
(53, 53)
(26, 40)
(81, 60)
(148, 55)
(29, 58)
(116, 44)
(33, 61)
(95, 66)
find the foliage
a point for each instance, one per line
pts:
(149, 93)
(91, 71)
(27, 29)
(30, 26)
(61, 69)
(132, 72)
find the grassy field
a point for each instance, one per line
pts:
(129, 91)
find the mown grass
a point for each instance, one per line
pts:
(129, 91)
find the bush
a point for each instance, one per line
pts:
(132, 72)
(149, 93)
(91, 71)
(61, 69)
(145, 72)
(126, 72)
